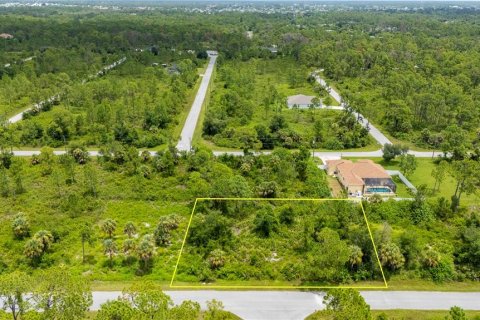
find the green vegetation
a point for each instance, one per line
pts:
(248, 110)
(136, 104)
(300, 243)
(349, 304)
(343, 304)
(56, 294)
(124, 214)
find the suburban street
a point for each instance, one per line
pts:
(294, 305)
(185, 143)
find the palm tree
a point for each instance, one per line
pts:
(110, 249)
(33, 249)
(45, 237)
(86, 235)
(109, 226)
(430, 257)
(356, 256)
(130, 229)
(20, 226)
(216, 259)
(128, 247)
(146, 249)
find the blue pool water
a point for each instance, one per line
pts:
(379, 190)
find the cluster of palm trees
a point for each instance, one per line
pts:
(144, 248)
(36, 246)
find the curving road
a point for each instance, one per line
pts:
(376, 134)
(186, 137)
(286, 305)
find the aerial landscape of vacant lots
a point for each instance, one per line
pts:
(239, 160)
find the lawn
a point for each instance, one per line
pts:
(420, 314)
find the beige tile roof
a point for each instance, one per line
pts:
(354, 173)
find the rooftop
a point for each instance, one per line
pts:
(353, 173)
(300, 99)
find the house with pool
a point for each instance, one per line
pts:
(361, 178)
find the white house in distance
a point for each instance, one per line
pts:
(300, 100)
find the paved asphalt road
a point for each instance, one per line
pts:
(185, 143)
(326, 154)
(294, 305)
(339, 154)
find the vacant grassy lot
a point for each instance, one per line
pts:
(268, 243)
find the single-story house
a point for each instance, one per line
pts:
(363, 177)
(300, 100)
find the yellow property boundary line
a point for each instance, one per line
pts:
(275, 287)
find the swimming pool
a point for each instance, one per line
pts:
(379, 190)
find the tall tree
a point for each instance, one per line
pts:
(148, 300)
(110, 249)
(467, 176)
(62, 295)
(408, 164)
(13, 290)
(86, 236)
(438, 173)
(346, 304)
(146, 250)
